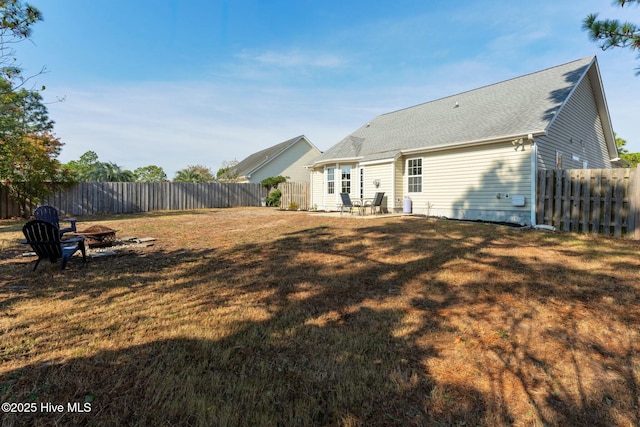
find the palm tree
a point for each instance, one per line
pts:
(108, 172)
(195, 173)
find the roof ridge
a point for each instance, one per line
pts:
(591, 58)
(283, 143)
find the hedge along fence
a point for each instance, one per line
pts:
(601, 201)
(90, 198)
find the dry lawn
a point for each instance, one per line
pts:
(256, 317)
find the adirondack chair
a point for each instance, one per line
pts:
(376, 204)
(50, 214)
(44, 238)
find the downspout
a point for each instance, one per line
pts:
(393, 187)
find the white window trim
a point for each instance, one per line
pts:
(421, 175)
(333, 180)
(350, 180)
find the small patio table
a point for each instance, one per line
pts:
(363, 205)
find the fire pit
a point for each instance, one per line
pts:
(98, 235)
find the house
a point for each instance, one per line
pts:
(474, 155)
(287, 158)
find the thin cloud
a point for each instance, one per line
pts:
(176, 125)
(298, 59)
(293, 59)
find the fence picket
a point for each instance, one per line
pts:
(574, 176)
(597, 203)
(566, 200)
(634, 204)
(618, 197)
(606, 220)
(557, 198)
(586, 200)
(603, 201)
(633, 215)
(541, 197)
(91, 198)
(294, 194)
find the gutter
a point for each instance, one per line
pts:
(333, 161)
(506, 138)
(474, 143)
(620, 162)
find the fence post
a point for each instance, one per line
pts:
(540, 191)
(597, 202)
(608, 201)
(586, 201)
(634, 204)
(618, 200)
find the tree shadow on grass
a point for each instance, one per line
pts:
(343, 327)
(320, 375)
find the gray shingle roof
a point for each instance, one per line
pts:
(515, 107)
(256, 160)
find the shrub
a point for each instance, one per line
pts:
(272, 182)
(273, 199)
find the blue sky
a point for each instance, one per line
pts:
(176, 83)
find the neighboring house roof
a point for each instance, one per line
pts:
(256, 161)
(514, 108)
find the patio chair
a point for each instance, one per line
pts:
(44, 238)
(347, 203)
(50, 214)
(376, 204)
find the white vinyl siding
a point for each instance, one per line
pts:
(577, 132)
(464, 183)
(318, 197)
(381, 172)
(384, 173)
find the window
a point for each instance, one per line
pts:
(346, 179)
(414, 172)
(331, 181)
(361, 183)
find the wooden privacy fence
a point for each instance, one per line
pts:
(602, 201)
(294, 192)
(8, 207)
(89, 198)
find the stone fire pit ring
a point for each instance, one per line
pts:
(98, 235)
